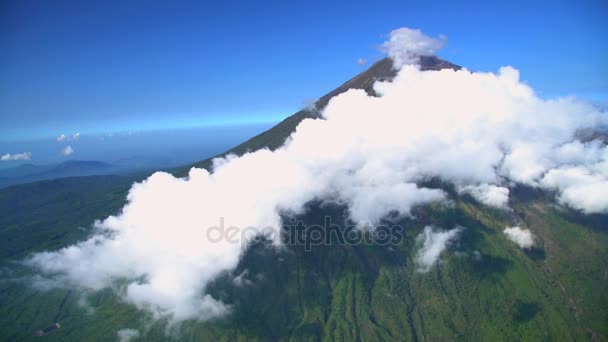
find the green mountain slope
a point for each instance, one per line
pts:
(43, 215)
(485, 287)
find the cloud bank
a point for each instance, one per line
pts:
(434, 241)
(18, 156)
(522, 237)
(481, 132)
(406, 45)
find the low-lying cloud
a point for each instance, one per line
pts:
(434, 241)
(482, 132)
(522, 237)
(125, 335)
(488, 194)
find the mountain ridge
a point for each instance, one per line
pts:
(28, 173)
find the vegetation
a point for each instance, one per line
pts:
(337, 292)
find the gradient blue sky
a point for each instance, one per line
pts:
(108, 66)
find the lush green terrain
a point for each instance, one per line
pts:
(336, 292)
(485, 288)
(47, 214)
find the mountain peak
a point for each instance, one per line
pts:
(382, 70)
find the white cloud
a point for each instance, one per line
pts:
(522, 237)
(434, 241)
(62, 137)
(581, 188)
(361, 61)
(488, 194)
(369, 153)
(18, 156)
(125, 335)
(406, 45)
(67, 151)
(241, 279)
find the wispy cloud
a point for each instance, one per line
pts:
(434, 241)
(125, 335)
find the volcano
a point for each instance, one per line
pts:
(486, 282)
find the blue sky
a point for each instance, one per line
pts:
(108, 66)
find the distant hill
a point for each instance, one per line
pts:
(27, 173)
(23, 170)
